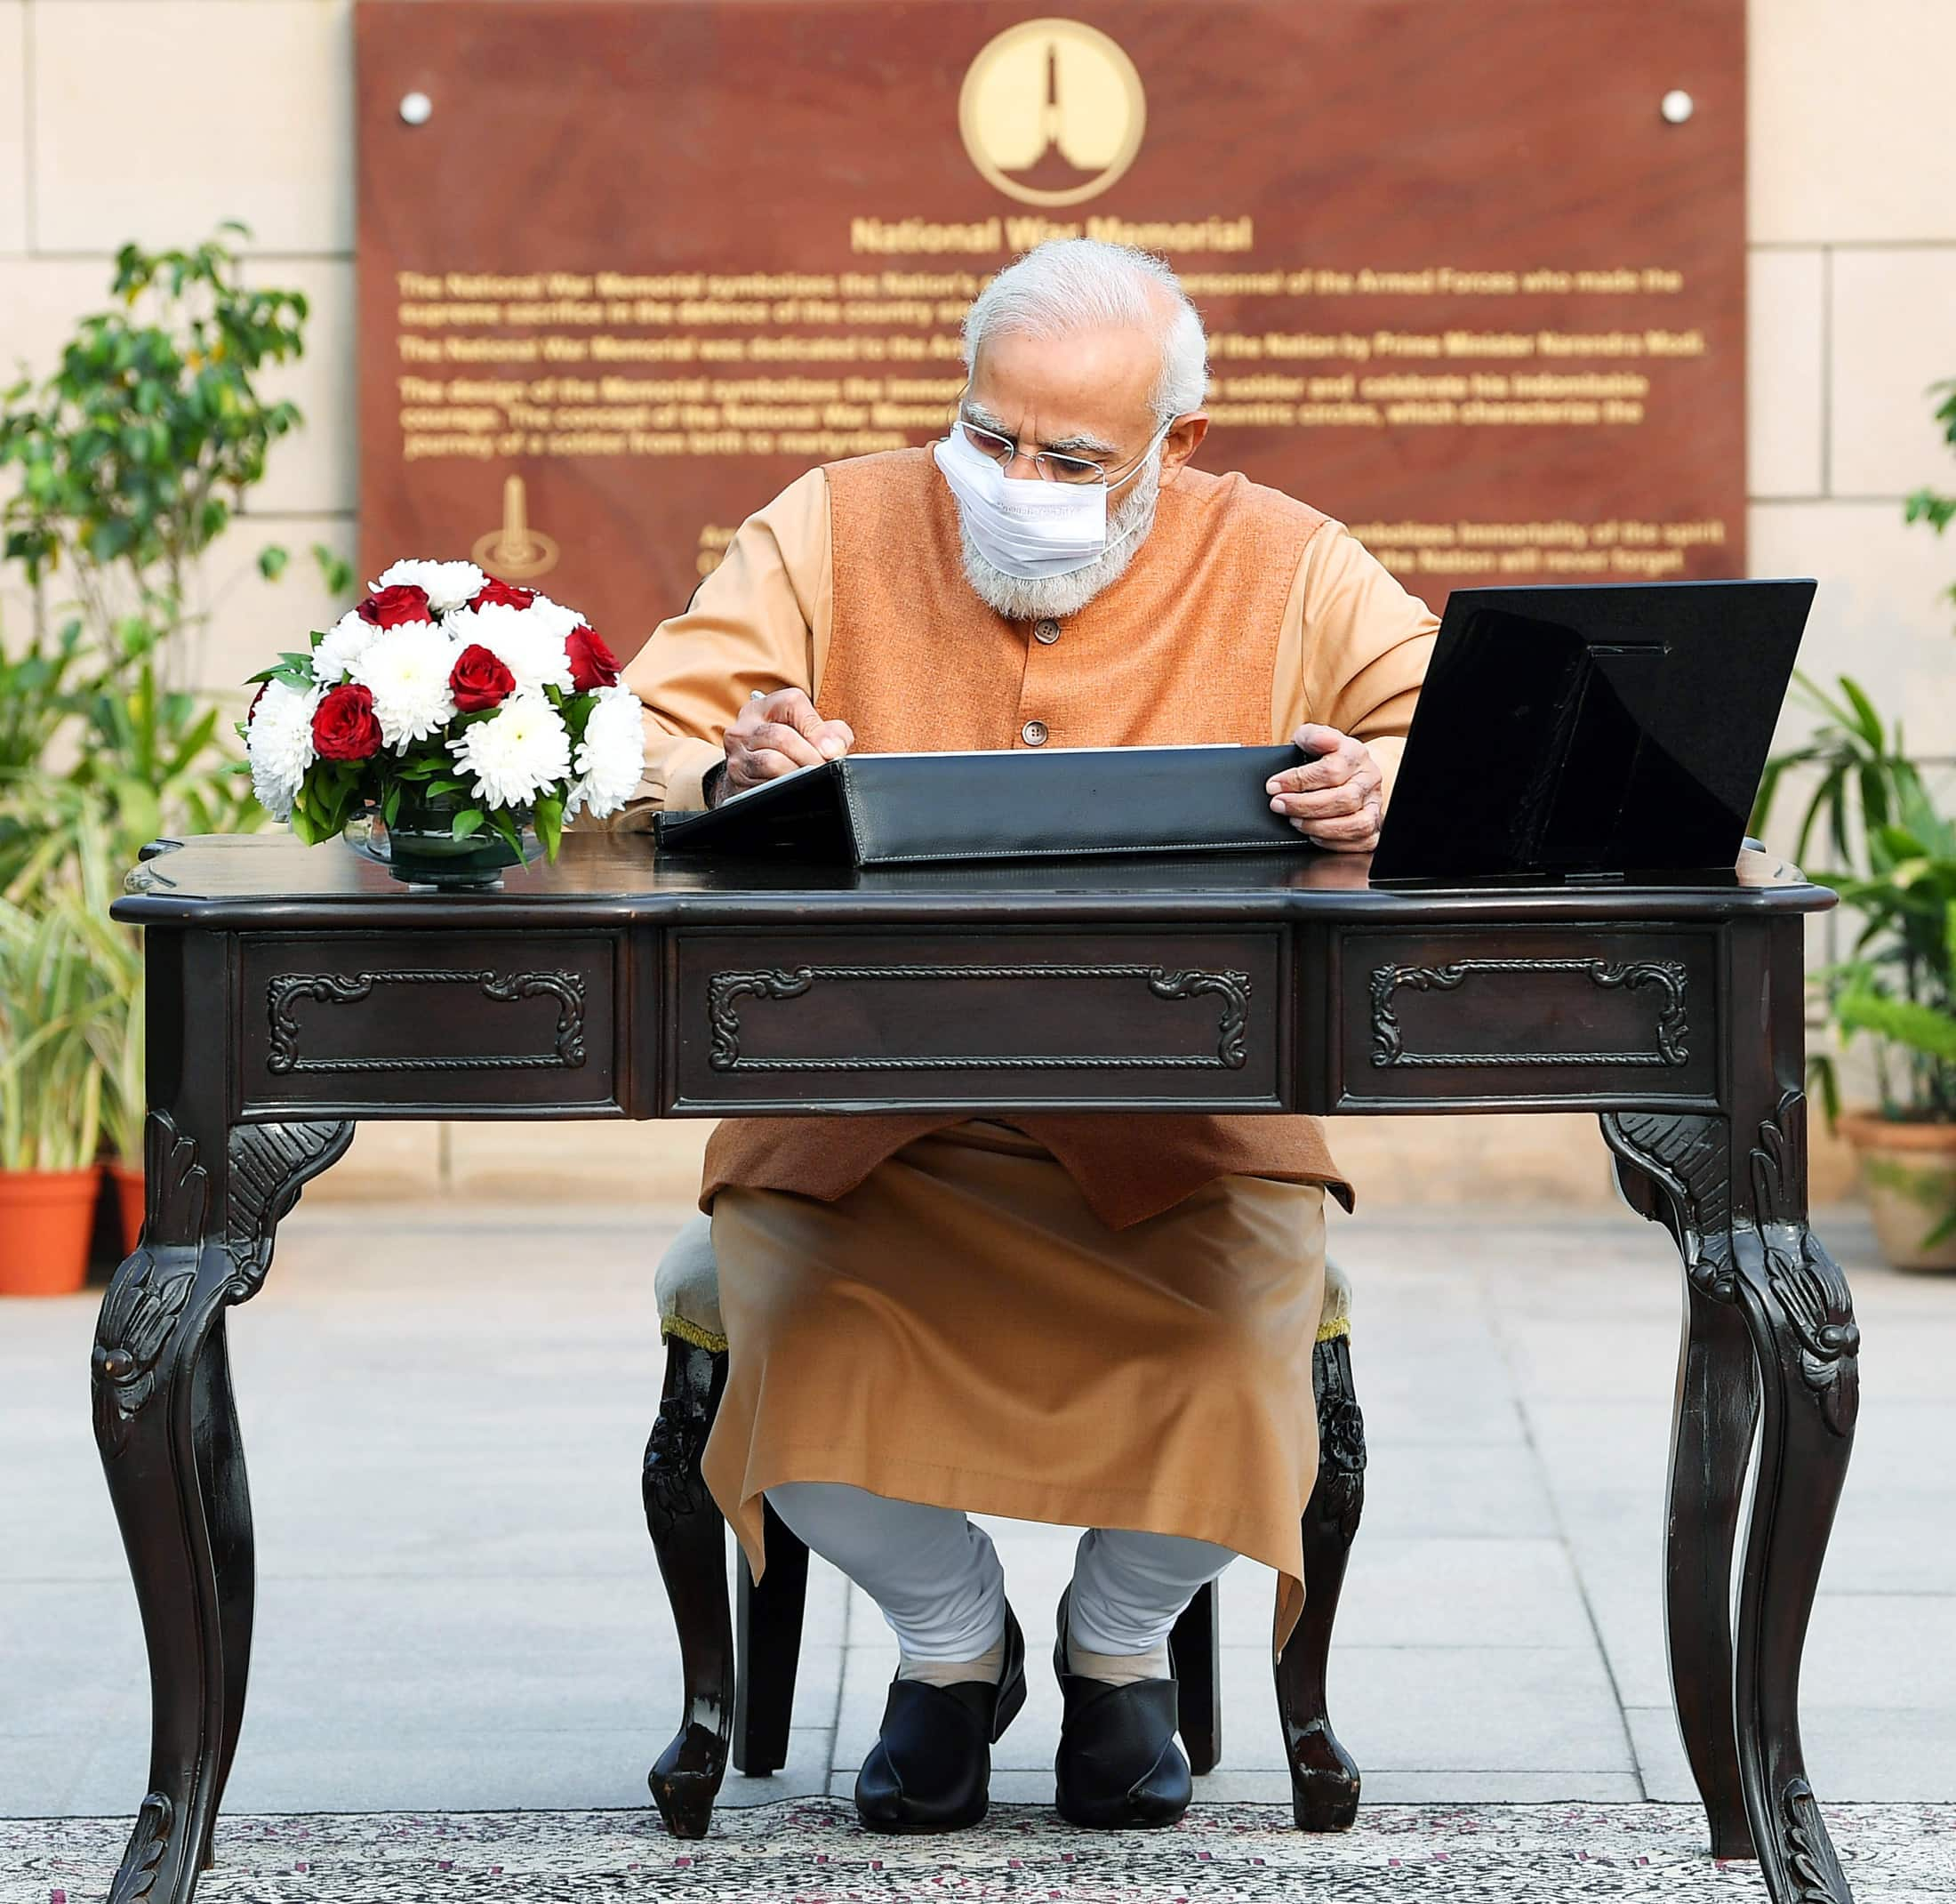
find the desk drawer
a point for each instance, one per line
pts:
(1158, 1019)
(429, 1021)
(1442, 1020)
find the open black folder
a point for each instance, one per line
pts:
(892, 809)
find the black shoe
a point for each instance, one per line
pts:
(930, 1769)
(1119, 1765)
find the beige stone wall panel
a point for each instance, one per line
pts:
(387, 1161)
(1877, 616)
(1848, 121)
(582, 1162)
(13, 132)
(41, 300)
(1558, 1158)
(1893, 336)
(313, 471)
(1786, 327)
(251, 621)
(153, 119)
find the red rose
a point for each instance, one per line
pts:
(404, 602)
(478, 679)
(592, 664)
(251, 713)
(343, 726)
(494, 594)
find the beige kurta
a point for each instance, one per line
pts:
(957, 1323)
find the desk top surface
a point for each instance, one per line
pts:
(230, 882)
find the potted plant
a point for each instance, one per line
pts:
(50, 997)
(1897, 989)
(121, 468)
(133, 457)
(116, 1032)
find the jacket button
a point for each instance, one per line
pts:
(1046, 630)
(1033, 733)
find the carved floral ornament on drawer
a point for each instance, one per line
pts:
(566, 1051)
(1666, 976)
(724, 991)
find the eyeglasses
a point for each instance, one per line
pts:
(1055, 466)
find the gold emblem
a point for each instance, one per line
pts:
(516, 552)
(1052, 112)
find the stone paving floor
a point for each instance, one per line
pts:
(458, 1608)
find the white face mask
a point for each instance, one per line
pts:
(1031, 529)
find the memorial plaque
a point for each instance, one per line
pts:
(1474, 275)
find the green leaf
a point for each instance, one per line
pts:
(334, 570)
(272, 560)
(467, 822)
(1918, 1028)
(549, 824)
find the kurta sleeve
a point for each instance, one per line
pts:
(759, 621)
(1353, 648)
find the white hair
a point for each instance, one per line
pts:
(1071, 285)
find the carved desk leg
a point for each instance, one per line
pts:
(1802, 1317)
(1736, 1200)
(690, 1539)
(167, 1431)
(1674, 1170)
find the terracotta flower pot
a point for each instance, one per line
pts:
(128, 1182)
(1909, 1172)
(46, 1220)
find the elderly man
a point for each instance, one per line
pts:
(1101, 1321)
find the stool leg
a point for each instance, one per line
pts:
(768, 1649)
(1324, 1780)
(690, 1539)
(1195, 1661)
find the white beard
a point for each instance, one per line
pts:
(1056, 597)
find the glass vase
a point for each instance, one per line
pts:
(421, 848)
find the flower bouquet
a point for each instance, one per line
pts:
(458, 711)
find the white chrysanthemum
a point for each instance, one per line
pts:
(278, 744)
(611, 758)
(522, 750)
(528, 644)
(446, 585)
(407, 669)
(555, 616)
(340, 648)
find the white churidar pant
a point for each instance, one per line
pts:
(937, 1581)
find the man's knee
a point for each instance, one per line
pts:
(934, 1576)
(1131, 1587)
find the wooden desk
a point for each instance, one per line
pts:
(293, 992)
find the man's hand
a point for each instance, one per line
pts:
(776, 733)
(1335, 801)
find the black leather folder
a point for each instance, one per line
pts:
(894, 809)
